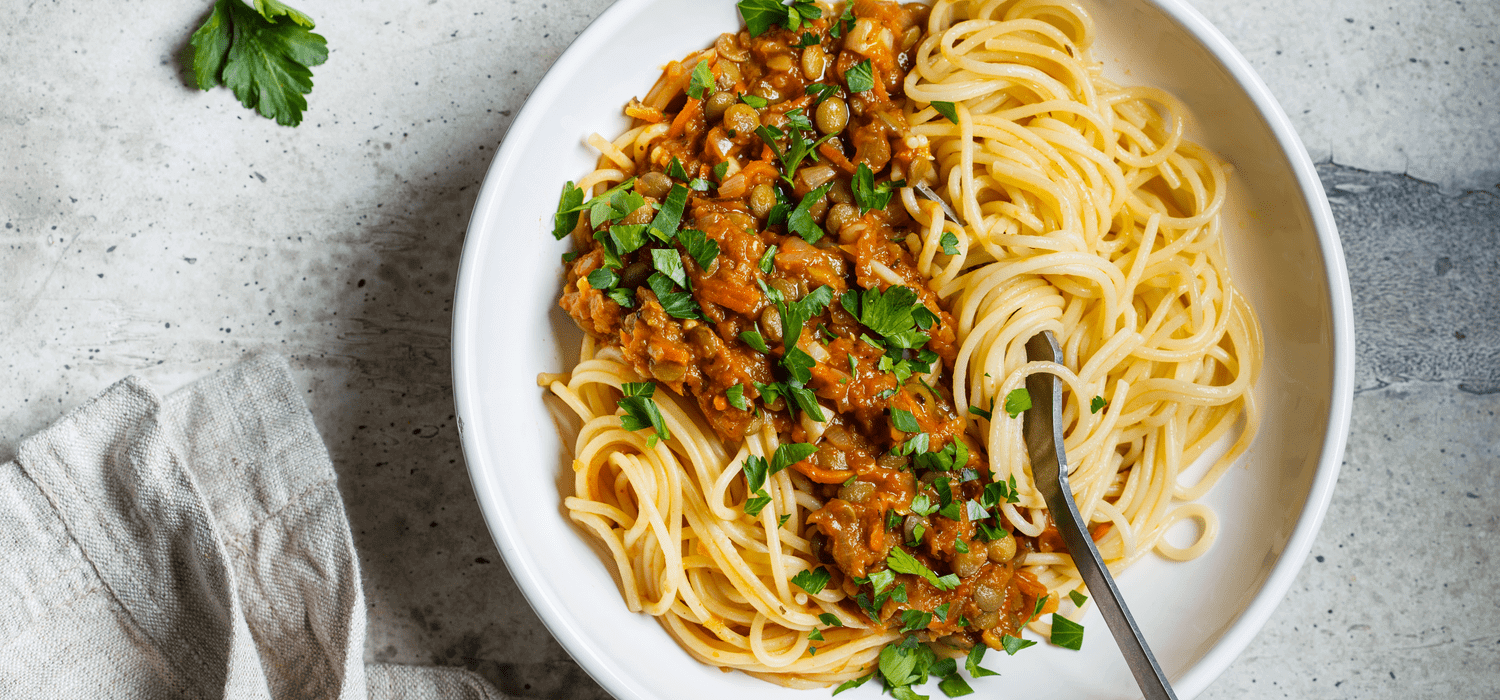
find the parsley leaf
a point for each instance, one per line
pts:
(805, 400)
(922, 505)
(767, 260)
(890, 315)
(1066, 633)
(949, 243)
(668, 262)
(754, 340)
(869, 195)
(954, 686)
(676, 304)
(815, 635)
(797, 149)
(628, 237)
(897, 664)
(755, 472)
(913, 620)
(1016, 402)
(702, 248)
(641, 412)
(1014, 644)
(982, 413)
(812, 581)
(664, 226)
(845, 22)
(755, 504)
(735, 395)
(941, 611)
(851, 684)
(795, 314)
(761, 15)
(566, 218)
(821, 91)
(830, 619)
(904, 421)
(623, 297)
(790, 453)
(798, 364)
(902, 562)
(755, 101)
(1097, 404)
(676, 171)
(946, 109)
(702, 82)
(801, 222)
(265, 59)
(1077, 598)
(860, 77)
(807, 39)
(603, 278)
(971, 664)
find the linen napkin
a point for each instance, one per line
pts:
(188, 547)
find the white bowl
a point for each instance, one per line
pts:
(1197, 616)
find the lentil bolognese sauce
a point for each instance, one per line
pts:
(770, 446)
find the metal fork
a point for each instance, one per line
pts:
(1049, 467)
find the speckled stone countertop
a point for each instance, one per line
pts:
(152, 229)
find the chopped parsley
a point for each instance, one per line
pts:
(976, 657)
(922, 505)
(913, 620)
(954, 685)
(755, 469)
(798, 148)
(702, 248)
(668, 261)
(791, 453)
(623, 297)
(1016, 402)
(641, 412)
(852, 684)
(1077, 598)
(1000, 492)
(702, 82)
(664, 226)
(1097, 404)
(676, 304)
(869, 195)
(801, 222)
(755, 504)
(904, 421)
(1066, 633)
(807, 39)
(794, 315)
(754, 340)
(946, 109)
(845, 22)
(891, 315)
(902, 562)
(735, 395)
(983, 413)
(1014, 644)
(812, 581)
(603, 278)
(767, 260)
(755, 101)
(676, 171)
(830, 619)
(627, 237)
(821, 91)
(860, 77)
(566, 218)
(949, 242)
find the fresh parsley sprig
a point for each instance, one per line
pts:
(265, 54)
(761, 15)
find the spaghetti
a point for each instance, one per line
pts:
(768, 509)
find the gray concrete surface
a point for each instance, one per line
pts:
(152, 229)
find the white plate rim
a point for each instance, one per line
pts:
(1282, 574)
